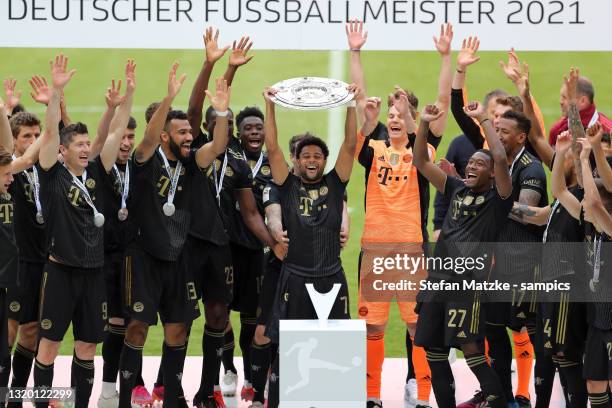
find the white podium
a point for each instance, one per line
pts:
(322, 364)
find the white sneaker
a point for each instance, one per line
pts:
(229, 384)
(410, 393)
(111, 401)
(256, 404)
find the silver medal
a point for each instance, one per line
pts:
(39, 218)
(99, 220)
(169, 209)
(122, 214)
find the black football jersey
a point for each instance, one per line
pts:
(117, 233)
(9, 265)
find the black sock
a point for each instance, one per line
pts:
(129, 367)
(247, 331)
(139, 379)
(212, 347)
(111, 351)
(599, 400)
(410, 375)
(544, 376)
(228, 352)
(273, 389)
(160, 377)
(442, 380)
(489, 382)
(577, 394)
(500, 352)
(22, 365)
(82, 375)
(260, 364)
(43, 377)
(173, 362)
(5, 370)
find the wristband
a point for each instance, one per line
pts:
(460, 71)
(356, 49)
(352, 104)
(483, 121)
(222, 114)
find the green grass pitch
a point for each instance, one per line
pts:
(417, 71)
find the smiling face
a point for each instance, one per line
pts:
(479, 172)
(76, 152)
(177, 137)
(396, 126)
(127, 145)
(510, 135)
(251, 132)
(311, 163)
(6, 178)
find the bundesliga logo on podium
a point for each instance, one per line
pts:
(322, 362)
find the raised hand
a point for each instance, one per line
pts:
(475, 110)
(431, 113)
(12, 97)
(213, 52)
(401, 103)
(448, 168)
(595, 133)
(372, 109)
(467, 55)
(238, 56)
(354, 89)
(174, 85)
(130, 75)
(268, 95)
(443, 43)
(521, 80)
(564, 142)
(512, 65)
(585, 148)
(220, 100)
(571, 84)
(355, 34)
(41, 92)
(113, 95)
(60, 76)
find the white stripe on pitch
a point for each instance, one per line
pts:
(335, 117)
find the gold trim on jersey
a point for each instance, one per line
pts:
(43, 286)
(475, 314)
(562, 318)
(128, 280)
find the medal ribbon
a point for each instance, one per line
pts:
(81, 186)
(597, 256)
(174, 177)
(34, 182)
(518, 156)
(219, 183)
(255, 169)
(552, 211)
(124, 182)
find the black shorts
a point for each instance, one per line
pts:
(248, 272)
(562, 327)
(4, 350)
(292, 301)
(23, 300)
(450, 324)
(114, 264)
(151, 286)
(597, 355)
(514, 315)
(72, 295)
(268, 288)
(211, 267)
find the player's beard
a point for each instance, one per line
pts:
(176, 151)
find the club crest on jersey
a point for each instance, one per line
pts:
(323, 190)
(468, 200)
(138, 307)
(229, 172)
(381, 158)
(394, 159)
(14, 306)
(265, 170)
(480, 200)
(314, 194)
(407, 158)
(90, 183)
(46, 324)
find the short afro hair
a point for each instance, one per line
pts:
(248, 112)
(311, 140)
(522, 122)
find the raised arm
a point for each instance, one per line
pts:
(345, 225)
(371, 112)
(531, 215)
(196, 101)
(465, 58)
(120, 120)
(595, 133)
(60, 77)
(573, 115)
(146, 148)
(220, 103)
(238, 57)
(113, 99)
(275, 224)
(557, 178)
(443, 45)
(344, 162)
(280, 171)
(357, 37)
(6, 136)
(12, 96)
(503, 181)
(421, 159)
(594, 209)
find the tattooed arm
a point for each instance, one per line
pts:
(573, 114)
(532, 215)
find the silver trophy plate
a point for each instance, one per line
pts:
(311, 93)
